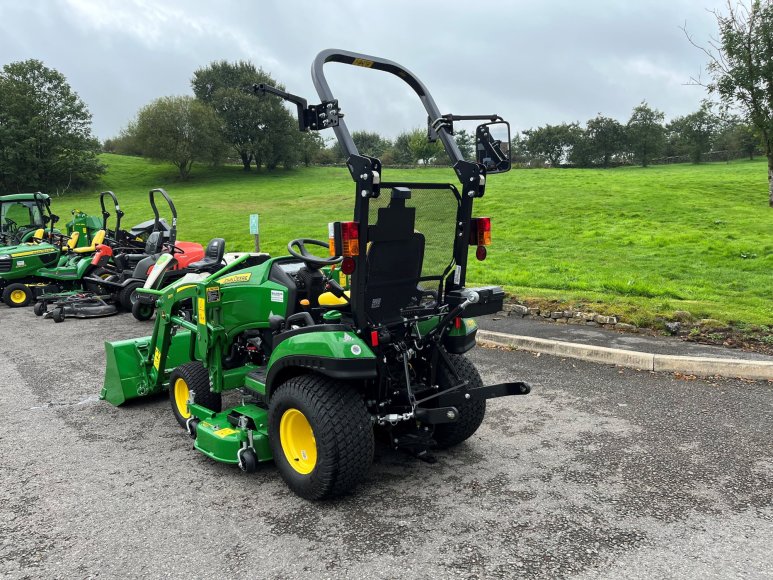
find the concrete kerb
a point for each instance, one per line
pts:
(691, 365)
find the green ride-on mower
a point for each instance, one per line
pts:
(23, 218)
(93, 299)
(332, 349)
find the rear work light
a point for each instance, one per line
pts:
(480, 231)
(344, 239)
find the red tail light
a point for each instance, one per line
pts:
(374, 337)
(344, 239)
(480, 231)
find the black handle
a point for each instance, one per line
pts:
(157, 224)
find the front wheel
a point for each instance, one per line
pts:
(142, 311)
(128, 294)
(321, 436)
(189, 377)
(471, 413)
(17, 295)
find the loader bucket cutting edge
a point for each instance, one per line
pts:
(128, 365)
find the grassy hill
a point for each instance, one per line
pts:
(637, 242)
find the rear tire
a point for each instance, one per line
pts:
(471, 413)
(321, 436)
(17, 295)
(194, 377)
(142, 311)
(126, 296)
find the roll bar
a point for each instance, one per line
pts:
(157, 223)
(106, 214)
(382, 64)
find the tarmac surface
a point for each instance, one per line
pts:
(601, 472)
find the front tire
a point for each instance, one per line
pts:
(321, 436)
(142, 311)
(127, 296)
(471, 413)
(189, 377)
(17, 295)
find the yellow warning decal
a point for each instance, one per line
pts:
(225, 432)
(342, 279)
(363, 62)
(202, 311)
(33, 253)
(185, 287)
(235, 278)
(156, 359)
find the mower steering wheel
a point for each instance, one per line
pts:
(311, 260)
(175, 249)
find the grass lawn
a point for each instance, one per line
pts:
(640, 243)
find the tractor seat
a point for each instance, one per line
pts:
(99, 238)
(213, 257)
(330, 300)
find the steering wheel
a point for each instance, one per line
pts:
(174, 249)
(12, 227)
(309, 259)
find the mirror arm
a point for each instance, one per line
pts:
(448, 119)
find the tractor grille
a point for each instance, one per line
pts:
(5, 264)
(436, 206)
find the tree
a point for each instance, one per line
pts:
(645, 133)
(247, 120)
(45, 131)
(605, 139)
(179, 130)
(310, 144)
(421, 148)
(552, 142)
(740, 64)
(466, 144)
(737, 136)
(695, 133)
(401, 150)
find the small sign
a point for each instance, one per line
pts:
(254, 224)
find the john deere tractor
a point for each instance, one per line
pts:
(345, 340)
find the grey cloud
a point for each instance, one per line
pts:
(532, 62)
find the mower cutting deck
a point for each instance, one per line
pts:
(329, 351)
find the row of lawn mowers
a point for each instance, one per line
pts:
(89, 269)
(330, 350)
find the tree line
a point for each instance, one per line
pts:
(642, 139)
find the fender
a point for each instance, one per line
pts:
(332, 350)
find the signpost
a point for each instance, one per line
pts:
(254, 230)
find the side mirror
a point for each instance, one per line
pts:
(492, 146)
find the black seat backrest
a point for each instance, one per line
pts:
(394, 260)
(154, 243)
(215, 250)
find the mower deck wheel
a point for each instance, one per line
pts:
(17, 295)
(184, 379)
(471, 413)
(321, 436)
(58, 314)
(39, 309)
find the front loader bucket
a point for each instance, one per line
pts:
(129, 365)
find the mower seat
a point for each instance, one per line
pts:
(73, 241)
(213, 257)
(98, 238)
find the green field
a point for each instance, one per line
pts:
(640, 243)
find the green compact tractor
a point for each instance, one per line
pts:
(309, 358)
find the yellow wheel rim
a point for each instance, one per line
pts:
(298, 443)
(18, 296)
(181, 394)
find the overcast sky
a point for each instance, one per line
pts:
(531, 62)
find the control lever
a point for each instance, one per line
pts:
(472, 298)
(336, 289)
